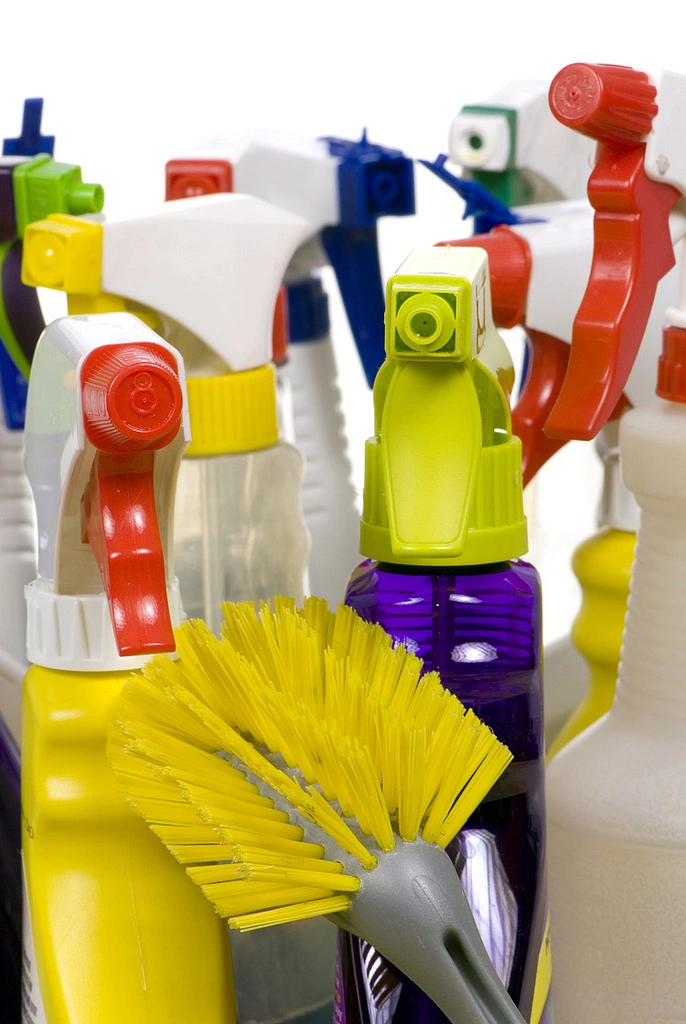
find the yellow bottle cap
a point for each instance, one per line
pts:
(235, 412)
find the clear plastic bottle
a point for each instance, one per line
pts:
(240, 536)
(239, 533)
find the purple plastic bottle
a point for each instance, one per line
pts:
(443, 526)
(481, 629)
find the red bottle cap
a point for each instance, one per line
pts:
(608, 102)
(671, 372)
(187, 178)
(132, 399)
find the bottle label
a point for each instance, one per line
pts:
(32, 1010)
(543, 978)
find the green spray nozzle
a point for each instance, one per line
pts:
(443, 472)
(43, 186)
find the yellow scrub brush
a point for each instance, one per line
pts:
(301, 766)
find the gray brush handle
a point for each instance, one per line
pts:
(413, 910)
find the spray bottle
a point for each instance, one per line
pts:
(31, 184)
(112, 930)
(442, 528)
(341, 188)
(512, 145)
(208, 270)
(540, 260)
(616, 795)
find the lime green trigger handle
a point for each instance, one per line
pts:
(431, 452)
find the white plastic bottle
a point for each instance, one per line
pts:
(17, 569)
(616, 796)
(328, 498)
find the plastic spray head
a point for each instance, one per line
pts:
(30, 141)
(632, 248)
(32, 185)
(106, 427)
(512, 145)
(480, 203)
(341, 188)
(43, 186)
(237, 246)
(443, 473)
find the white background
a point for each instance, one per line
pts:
(129, 85)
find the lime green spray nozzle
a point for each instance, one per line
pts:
(43, 186)
(443, 482)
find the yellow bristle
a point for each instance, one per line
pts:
(476, 789)
(455, 751)
(248, 837)
(259, 896)
(204, 874)
(338, 882)
(411, 805)
(255, 856)
(322, 814)
(251, 804)
(162, 812)
(216, 815)
(200, 853)
(318, 617)
(195, 832)
(348, 713)
(294, 912)
(368, 803)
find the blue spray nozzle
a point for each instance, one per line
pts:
(373, 181)
(30, 142)
(486, 209)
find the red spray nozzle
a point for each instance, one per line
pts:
(632, 247)
(132, 399)
(132, 404)
(607, 102)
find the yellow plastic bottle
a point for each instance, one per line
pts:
(113, 933)
(120, 933)
(603, 566)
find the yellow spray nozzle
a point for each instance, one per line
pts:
(443, 473)
(64, 253)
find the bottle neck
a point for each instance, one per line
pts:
(651, 673)
(443, 570)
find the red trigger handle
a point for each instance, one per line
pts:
(632, 248)
(132, 404)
